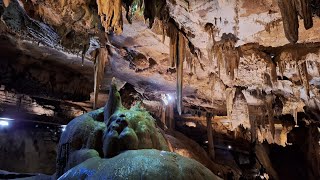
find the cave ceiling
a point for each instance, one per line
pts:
(240, 48)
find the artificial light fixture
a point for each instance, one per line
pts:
(166, 98)
(63, 127)
(6, 119)
(4, 123)
(229, 147)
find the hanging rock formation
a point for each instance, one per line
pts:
(110, 13)
(289, 10)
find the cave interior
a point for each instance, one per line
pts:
(160, 89)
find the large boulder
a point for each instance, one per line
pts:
(141, 164)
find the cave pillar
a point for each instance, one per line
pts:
(209, 117)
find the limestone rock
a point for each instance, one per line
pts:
(141, 164)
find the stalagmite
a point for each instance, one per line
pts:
(290, 19)
(113, 104)
(100, 60)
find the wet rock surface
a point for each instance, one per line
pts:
(137, 164)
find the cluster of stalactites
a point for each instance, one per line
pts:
(290, 9)
(224, 51)
(292, 60)
(226, 54)
(110, 12)
(270, 75)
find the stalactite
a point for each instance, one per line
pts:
(304, 9)
(269, 101)
(274, 76)
(290, 19)
(295, 115)
(172, 32)
(212, 81)
(253, 128)
(282, 67)
(83, 54)
(230, 93)
(6, 3)
(163, 27)
(236, 18)
(232, 61)
(226, 54)
(240, 110)
(267, 79)
(100, 60)
(303, 73)
(289, 11)
(189, 60)
(211, 30)
(180, 57)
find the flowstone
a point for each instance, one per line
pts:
(109, 133)
(141, 164)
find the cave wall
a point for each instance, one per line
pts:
(26, 148)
